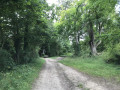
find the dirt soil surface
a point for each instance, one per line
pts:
(56, 76)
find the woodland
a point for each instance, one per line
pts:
(30, 29)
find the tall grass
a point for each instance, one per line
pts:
(94, 66)
(21, 77)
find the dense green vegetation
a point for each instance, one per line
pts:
(32, 28)
(21, 77)
(26, 32)
(91, 26)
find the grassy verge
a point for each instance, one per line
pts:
(94, 66)
(21, 77)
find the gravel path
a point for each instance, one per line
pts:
(56, 76)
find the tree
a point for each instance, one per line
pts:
(87, 18)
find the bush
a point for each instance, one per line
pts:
(28, 56)
(6, 62)
(21, 77)
(76, 49)
(113, 55)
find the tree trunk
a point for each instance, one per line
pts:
(17, 45)
(92, 41)
(17, 48)
(2, 38)
(26, 37)
(76, 41)
(93, 49)
(99, 26)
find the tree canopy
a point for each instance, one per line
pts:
(29, 28)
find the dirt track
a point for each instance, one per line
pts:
(55, 76)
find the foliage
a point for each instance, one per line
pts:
(90, 21)
(113, 55)
(18, 28)
(21, 77)
(29, 56)
(6, 62)
(27, 29)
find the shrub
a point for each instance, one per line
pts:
(113, 55)
(21, 77)
(6, 62)
(28, 56)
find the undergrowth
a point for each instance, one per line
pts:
(21, 77)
